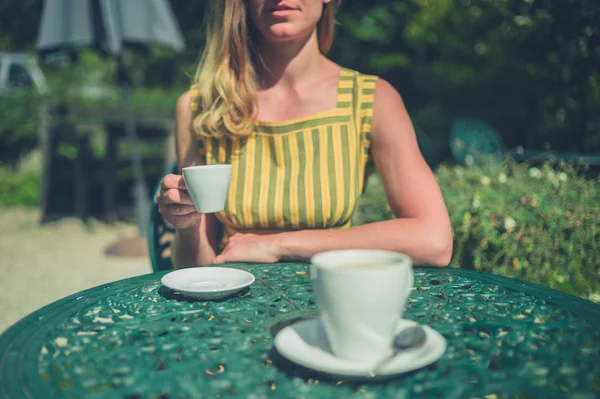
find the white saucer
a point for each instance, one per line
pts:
(207, 282)
(305, 343)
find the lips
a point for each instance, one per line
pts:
(280, 7)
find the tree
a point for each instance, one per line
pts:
(530, 68)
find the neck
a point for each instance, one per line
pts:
(290, 61)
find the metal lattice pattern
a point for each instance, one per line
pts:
(135, 339)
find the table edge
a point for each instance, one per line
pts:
(561, 299)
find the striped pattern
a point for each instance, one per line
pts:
(305, 173)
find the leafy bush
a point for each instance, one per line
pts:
(92, 82)
(536, 224)
(18, 125)
(19, 111)
(19, 189)
(480, 58)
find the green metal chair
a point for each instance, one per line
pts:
(474, 142)
(160, 233)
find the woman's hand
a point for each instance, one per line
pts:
(250, 248)
(175, 204)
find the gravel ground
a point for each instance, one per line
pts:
(40, 264)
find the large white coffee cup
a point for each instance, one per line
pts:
(361, 295)
(208, 186)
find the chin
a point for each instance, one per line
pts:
(280, 32)
(285, 31)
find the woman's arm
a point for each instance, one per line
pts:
(193, 245)
(422, 226)
(421, 229)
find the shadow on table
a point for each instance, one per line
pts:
(291, 370)
(310, 376)
(170, 294)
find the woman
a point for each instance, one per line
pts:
(299, 132)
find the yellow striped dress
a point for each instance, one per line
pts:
(305, 173)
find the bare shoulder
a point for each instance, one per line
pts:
(386, 97)
(184, 103)
(183, 113)
(185, 138)
(390, 117)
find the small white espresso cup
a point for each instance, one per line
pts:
(208, 186)
(361, 296)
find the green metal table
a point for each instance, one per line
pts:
(135, 338)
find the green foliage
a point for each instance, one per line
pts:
(18, 23)
(18, 124)
(88, 83)
(91, 82)
(536, 224)
(530, 68)
(19, 189)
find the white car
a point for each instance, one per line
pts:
(20, 70)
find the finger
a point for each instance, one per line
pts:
(175, 196)
(179, 210)
(183, 221)
(160, 195)
(172, 181)
(176, 210)
(218, 259)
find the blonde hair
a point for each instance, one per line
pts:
(225, 83)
